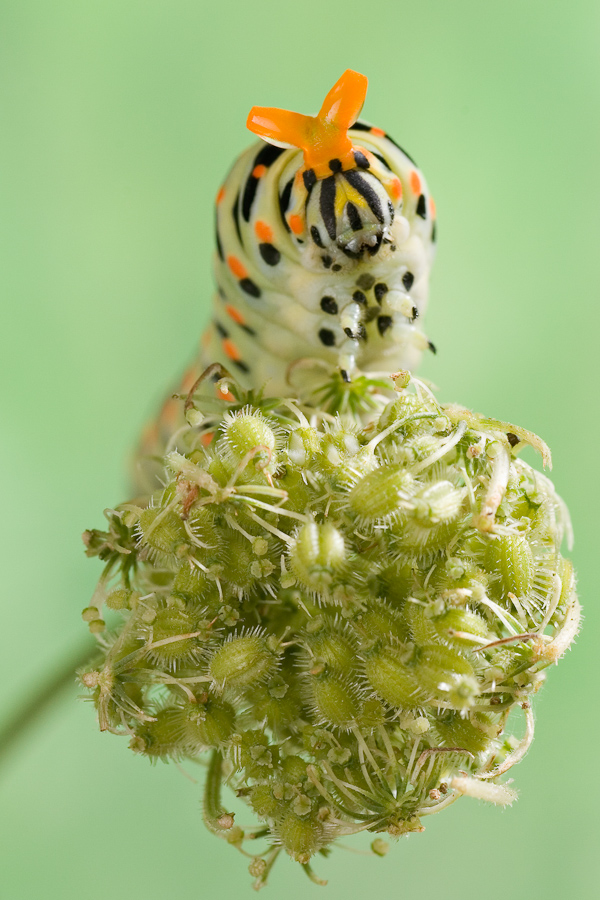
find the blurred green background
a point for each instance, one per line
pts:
(119, 119)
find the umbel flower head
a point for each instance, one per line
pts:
(337, 609)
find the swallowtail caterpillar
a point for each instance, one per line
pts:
(325, 236)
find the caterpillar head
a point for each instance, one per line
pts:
(343, 201)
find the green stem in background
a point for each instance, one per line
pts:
(216, 817)
(27, 712)
(314, 878)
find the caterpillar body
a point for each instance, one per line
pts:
(325, 236)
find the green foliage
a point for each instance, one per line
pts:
(342, 608)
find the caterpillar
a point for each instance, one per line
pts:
(325, 236)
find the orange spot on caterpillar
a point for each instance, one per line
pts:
(296, 224)
(432, 207)
(263, 231)
(230, 349)
(236, 267)
(259, 171)
(235, 314)
(396, 188)
(378, 132)
(220, 195)
(169, 412)
(150, 436)
(188, 380)
(207, 437)
(223, 393)
(415, 182)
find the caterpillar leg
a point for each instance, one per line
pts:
(347, 358)
(398, 302)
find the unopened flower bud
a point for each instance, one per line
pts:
(241, 662)
(162, 531)
(317, 554)
(336, 703)
(247, 433)
(300, 836)
(392, 679)
(381, 494)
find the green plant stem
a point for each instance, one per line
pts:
(30, 710)
(213, 809)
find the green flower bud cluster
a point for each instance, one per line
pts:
(341, 610)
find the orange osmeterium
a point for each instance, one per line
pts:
(323, 137)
